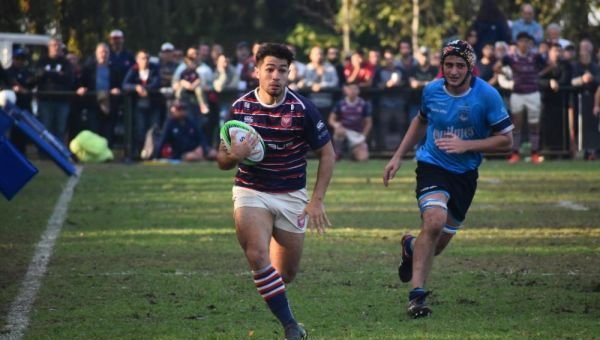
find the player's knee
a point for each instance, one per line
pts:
(256, 256)
(434, 221)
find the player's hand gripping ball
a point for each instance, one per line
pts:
(241, 131)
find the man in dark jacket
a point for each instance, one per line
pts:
(100, 78)
(54, 77)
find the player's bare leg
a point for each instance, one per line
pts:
(434, 216)
(286, 251)
(361, 152)
(254, 228)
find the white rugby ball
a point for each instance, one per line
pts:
(241, 131)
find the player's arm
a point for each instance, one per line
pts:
(416, 132)
(225, 159)
(315, 209)
(228, 159)
(451, 143)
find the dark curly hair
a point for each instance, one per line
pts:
(279, 51)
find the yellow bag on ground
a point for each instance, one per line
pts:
(90, 147)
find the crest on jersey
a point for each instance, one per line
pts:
(286, 121)
(463, 114)
(248, 119)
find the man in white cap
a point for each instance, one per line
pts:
(167, 64)
(120, 58)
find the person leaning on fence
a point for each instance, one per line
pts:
(586, 79)
(225, 84)
(351, 119)
(320, 80)
(101, 78)
(554, 78)
(143, 82)
(54, 78)
(393, 118)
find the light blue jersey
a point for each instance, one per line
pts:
(476, 114)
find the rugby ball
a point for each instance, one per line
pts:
(242, 130)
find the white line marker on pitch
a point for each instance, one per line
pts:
(572, 206)
(18, 315)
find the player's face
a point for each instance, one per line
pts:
(455, 70)
(272, 74)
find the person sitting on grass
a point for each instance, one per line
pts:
(182, 136)
(351, 121)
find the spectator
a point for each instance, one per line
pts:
(226, 84)
(22, 81)
(204, 56)
(393, 120)
(143, 81)
(215, 51)
(525, 66)
(101, 78)
(358, 71)
(54, 78)
(297, 71)
(505, 81)
(182, 137)
(471, 38)
(121, 58)
(491, 25)
(333, 57)
(569, 54)
(555, 76)
(351, 122)
(543, 48)
(374, 97)
(527, 23)
(553, 35)
(167, 63)
(321, 80)
(486, 65)
(435, 59)
(419, 77)
(188, 88)
(167, 66)
(406, 60)
(245, 67)
(586, 78)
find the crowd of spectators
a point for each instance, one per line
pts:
(186, 91)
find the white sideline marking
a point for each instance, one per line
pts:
(18, 315)
(572, 206)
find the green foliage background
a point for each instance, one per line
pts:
(374, 23)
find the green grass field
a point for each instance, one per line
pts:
(149, 252)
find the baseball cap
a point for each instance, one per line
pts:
(179, 105)
(116, 34)
(167, 47)
(19, 53)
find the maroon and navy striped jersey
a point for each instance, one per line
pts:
(289, 129)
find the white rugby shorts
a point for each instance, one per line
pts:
(531, 101)
(286, 208)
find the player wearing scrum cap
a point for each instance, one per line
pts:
(461, 116)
